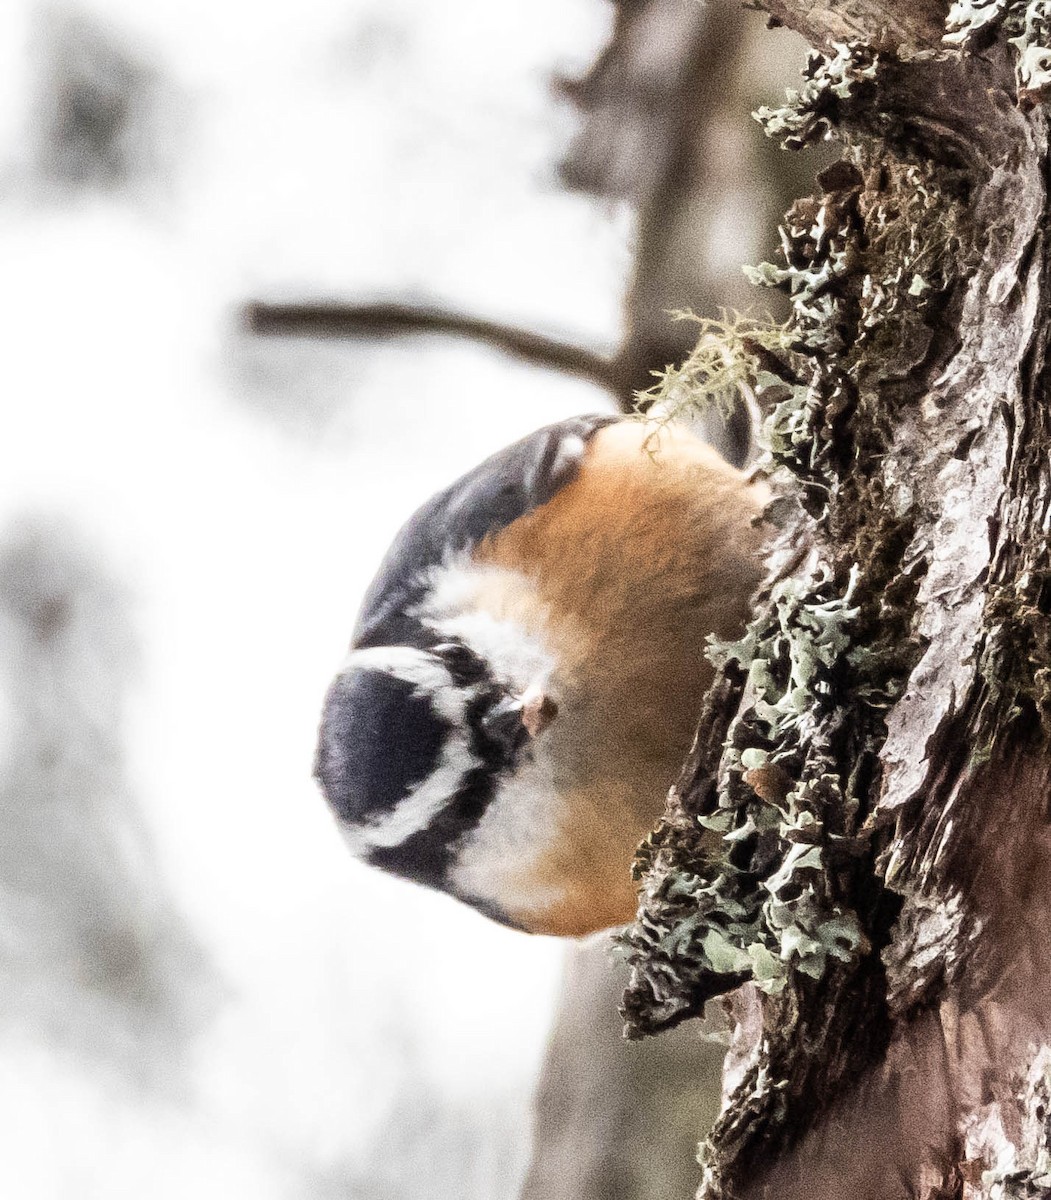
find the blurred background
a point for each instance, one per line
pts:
(272, 274)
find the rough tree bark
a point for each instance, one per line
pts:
(859, 842)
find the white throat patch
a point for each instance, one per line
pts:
(497, 613)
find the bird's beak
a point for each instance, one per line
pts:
(516, 716)
(538, 711)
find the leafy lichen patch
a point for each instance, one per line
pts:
(739, 919)
(971, 25)
(863, 263)
(823, 843)
(830, 81)
(765, 869)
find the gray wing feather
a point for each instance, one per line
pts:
(497, 492)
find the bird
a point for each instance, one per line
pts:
(527, 669)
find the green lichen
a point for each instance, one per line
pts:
(763, 905)
(972, 25)
(863, 264)
(769, 870)
(912, 253)
(830, 83)
(909, 253)
(760, 887)
(791, 661)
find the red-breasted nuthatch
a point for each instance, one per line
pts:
(527, 668)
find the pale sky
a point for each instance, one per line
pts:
(239, 496)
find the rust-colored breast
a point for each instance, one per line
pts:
(650, 549)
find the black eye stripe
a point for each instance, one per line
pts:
(422, 858)
(473, 798)
(463, 664)
(493, 753)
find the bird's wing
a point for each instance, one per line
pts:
(499, 490)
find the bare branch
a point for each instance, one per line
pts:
(331, 319)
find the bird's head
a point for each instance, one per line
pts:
(413, 745)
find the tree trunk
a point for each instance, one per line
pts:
(617, 1120)
(860, 839)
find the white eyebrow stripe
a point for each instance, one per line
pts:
(418, 809)
(459, 605)
(413, 665)
(408, 663)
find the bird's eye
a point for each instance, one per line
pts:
(464, 665)
(502, 726)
